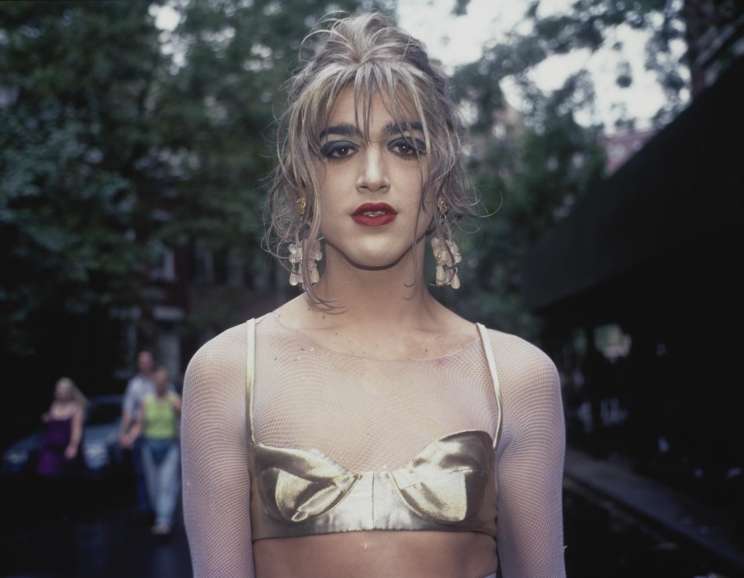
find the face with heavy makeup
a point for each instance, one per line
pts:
(388, 167)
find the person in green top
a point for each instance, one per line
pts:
(157, 423)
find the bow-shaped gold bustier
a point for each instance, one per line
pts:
(450, 485)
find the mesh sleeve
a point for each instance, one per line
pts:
(215, 464)
(530, 465)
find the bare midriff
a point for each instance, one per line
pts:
(378, 554)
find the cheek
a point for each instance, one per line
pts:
(336, 188)
(412, 182)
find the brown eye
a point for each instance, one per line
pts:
(337, 150)
(408, 148)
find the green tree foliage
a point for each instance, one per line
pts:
(529, 168)
(532, 164)
(79, 171)
(119, 139)
(593, 24)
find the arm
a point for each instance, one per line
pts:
(216, 483)
(176, 401)
(530, 465)
(75, 435)
(135, 429)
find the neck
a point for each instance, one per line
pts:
(397, 296)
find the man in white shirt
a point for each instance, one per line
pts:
(138, 387)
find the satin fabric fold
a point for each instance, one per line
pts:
(450, 485)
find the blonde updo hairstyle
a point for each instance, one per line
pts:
(371, 55)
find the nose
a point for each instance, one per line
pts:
(373, 175)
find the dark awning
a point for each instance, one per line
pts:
(686, 185)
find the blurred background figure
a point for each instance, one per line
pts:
(59, 452)
(156, 426)
(137, 389)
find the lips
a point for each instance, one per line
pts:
(374, 208)
(374, 214)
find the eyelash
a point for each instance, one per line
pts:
(416, 147)
(329, 150)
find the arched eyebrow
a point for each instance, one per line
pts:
(343, 129)
(393, 128)
(390, 129)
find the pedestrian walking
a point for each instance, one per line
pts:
(157, 424)
(60, 452)
(137, 388)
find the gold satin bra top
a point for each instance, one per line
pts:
(450, 485)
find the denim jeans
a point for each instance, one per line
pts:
(160, 459)
(143, 501)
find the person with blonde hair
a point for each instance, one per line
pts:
(63, 432)
(363, 429)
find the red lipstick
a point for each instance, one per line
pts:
(374, 214)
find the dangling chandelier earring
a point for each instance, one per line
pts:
(446, 252)
(295, 254)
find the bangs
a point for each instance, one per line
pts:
(395, 85)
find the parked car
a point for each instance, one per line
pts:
(100, 447)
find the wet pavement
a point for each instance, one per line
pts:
(104, 540)
(43, 537)
(605, 539)
(649, 503)
(112, 547)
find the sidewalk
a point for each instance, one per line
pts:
(656, 502)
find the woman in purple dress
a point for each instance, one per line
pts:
(60, 445)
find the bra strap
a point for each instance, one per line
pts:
(494, 377)
(250, 372)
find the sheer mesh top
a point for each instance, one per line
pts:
(369, 418)
(449, 484)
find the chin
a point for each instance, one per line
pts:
(372, 253)
(374, 260)
(376, 263)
